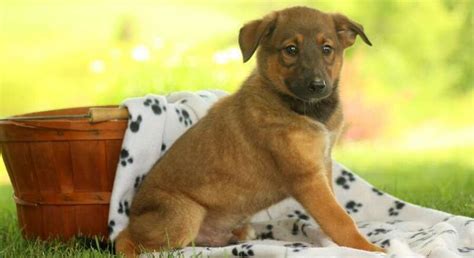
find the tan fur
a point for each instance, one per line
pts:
(250, 151)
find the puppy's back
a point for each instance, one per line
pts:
(216, 163)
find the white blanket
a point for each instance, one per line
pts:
(285, 229)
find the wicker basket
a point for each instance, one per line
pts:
(62, 173)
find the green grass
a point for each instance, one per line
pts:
(440, 179)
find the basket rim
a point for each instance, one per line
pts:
(61, 129)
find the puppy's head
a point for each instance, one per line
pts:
(300, 49)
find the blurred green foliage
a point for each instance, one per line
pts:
(416, 82)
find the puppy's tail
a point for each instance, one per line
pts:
(124, 244)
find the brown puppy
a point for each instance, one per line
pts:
(270, 140)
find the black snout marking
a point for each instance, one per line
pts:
(317, 85)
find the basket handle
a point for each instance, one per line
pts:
(97, 115)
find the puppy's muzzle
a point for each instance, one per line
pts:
(309, 90)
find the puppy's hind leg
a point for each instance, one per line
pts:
(165, 221)
(219, 229)
(125, 245)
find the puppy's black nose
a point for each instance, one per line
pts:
(317, 85)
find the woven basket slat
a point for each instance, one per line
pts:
(44, 166)
(84, 162)
(63, 166)
(112, 147)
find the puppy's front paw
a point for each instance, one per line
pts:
(367, 246)
(361, 243)
(375, 248)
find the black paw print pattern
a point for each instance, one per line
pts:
(466, 249)
(111, 226)
(244, 250)
(296, 247)
(395, 221)
(394, 211)
(125, 158)
(124, 208)
(268, 234)
(353, 207)
(297, 226)
(448, 218)
(385, 243)
(378, 231)
(154, 104)
(138, 181)
(429, 235)
(423, 235)
(299, 215)
(377, 191)
(421, 232)
(135, 124)
(344, 179)
(183, 117)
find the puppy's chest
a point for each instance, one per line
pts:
(329, 135)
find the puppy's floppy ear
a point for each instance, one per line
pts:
(347, 30)
(252, 33)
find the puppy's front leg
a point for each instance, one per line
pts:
(328, 169)
(303, 170)
(314, 193)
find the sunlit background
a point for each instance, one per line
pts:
(408, 99)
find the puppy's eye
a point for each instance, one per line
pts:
(327, 49)
(291, 50)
